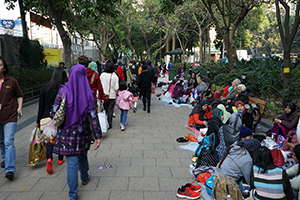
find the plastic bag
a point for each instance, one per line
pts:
(31, 136)
(103, 121)
(36, 139)
(50, 130)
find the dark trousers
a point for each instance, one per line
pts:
(146, 93)
(109, 109)
(216, 102)
(49, 150)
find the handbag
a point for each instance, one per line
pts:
(37, 149)
(43, 123)
(60, 114)
(103, 121)
(152, 88)
(106, 96)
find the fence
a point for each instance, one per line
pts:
(31, 93)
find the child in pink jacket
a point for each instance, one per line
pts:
(124, 102)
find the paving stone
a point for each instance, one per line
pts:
(160, 195)
(113, 183)
(152, 141)
(49, 195)
(3, 195)
(142, 146)
(126, 195)
(143, 162)
(131, 153)
(19, 184)
(115, 162)
(24, 195)
(157, 171)
(180, 172)
(117, 147)
(133, 140)
(166, 147)
(172, 184)
(162, 162)
(143, 184)
(95, 195)
(132, 171)
(56, 184)
(154, 154)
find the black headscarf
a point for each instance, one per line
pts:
(293, 108)
(198, 109)
(215, 124)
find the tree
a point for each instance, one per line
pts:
(231, 13)
(287, 31)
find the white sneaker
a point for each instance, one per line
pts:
(122, 128)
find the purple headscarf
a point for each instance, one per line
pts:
(78, 94)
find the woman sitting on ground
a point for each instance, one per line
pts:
(242, 95)
(200, 115)
(294, 172)
(271, 182)
(178, 91)
(192, 82)
(229, 133)
(247, 118)
(237, 161)
(286, 122)
(225, 112)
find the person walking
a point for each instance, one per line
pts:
(144, 83)
(110, 82)
(135, 91)
(47, 97)
(73, 137)
(125, 103)
(11, 103)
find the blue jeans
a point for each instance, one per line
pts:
(7, 145)
(123, 117)
(75, 163)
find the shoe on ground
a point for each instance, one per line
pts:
(148, 110)
(9, 175)
(110, 127)
(144, 109)
(186, 192)
(86, 182)
(134, 110)
(3, 164)
(60, 162)
(122, 128)
(193, 187)
(114, 114)
(49, 167)
(92, 141)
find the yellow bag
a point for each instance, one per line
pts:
(37, 149)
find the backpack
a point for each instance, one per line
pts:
(224, 188)
(206, 153)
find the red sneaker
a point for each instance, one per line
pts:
(60, 162)
(49, 167)
(195, 188)
(186, 192)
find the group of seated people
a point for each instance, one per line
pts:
(239, 149)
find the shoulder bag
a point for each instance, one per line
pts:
(60, 114)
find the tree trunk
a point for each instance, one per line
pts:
(23, 19)
(76, 44)
(287, 64)
(82, 45)
(230, 51)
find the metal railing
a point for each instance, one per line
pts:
(31, 93)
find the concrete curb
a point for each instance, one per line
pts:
(266, 123)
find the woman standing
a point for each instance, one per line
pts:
(47, 98)
(110, 82)
(73, 137)
(11, 102)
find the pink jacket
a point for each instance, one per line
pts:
(124, 103)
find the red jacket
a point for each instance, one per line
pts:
(120, 74)
(195, 117)
(96, 85)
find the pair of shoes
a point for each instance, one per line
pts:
(9, 175)
(191, 137)
(49, 167)
(86, 182)
(189, 191)
(60, 162)
(122, 128)
(3, 164)
(144, 109)
(181, 139)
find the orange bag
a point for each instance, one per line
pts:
(203, 177)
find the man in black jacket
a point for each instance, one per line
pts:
(144, 83)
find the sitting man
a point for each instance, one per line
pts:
(201, 87)
(232, 94)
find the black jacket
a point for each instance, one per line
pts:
(134, 90)
(248, 120)
(144, 80)
(242, 96)
(46, 101)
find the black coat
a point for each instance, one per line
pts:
(144, 80)
(46, 101)
(248, 120)
(242, 96)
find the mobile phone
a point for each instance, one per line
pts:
(19, 116)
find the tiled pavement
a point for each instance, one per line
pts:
(147, 162)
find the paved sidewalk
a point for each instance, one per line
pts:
(147, 162)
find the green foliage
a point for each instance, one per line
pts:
(30, 78)
(264, 78)
(31, 54)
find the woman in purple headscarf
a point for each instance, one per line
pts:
(74, 136)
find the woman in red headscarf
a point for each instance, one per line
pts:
(247, 117)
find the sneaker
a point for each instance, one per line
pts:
(49, 167)
(122, 128)
(134, 110)
(9, 175)
(86, 182)
(92, 141)
(60, 162)
(114, 114)
(186, 192)
(3, 164)
(144, 109)
(195, 188)
(120, 125)
(148, 110)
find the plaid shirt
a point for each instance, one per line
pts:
(76, 139)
